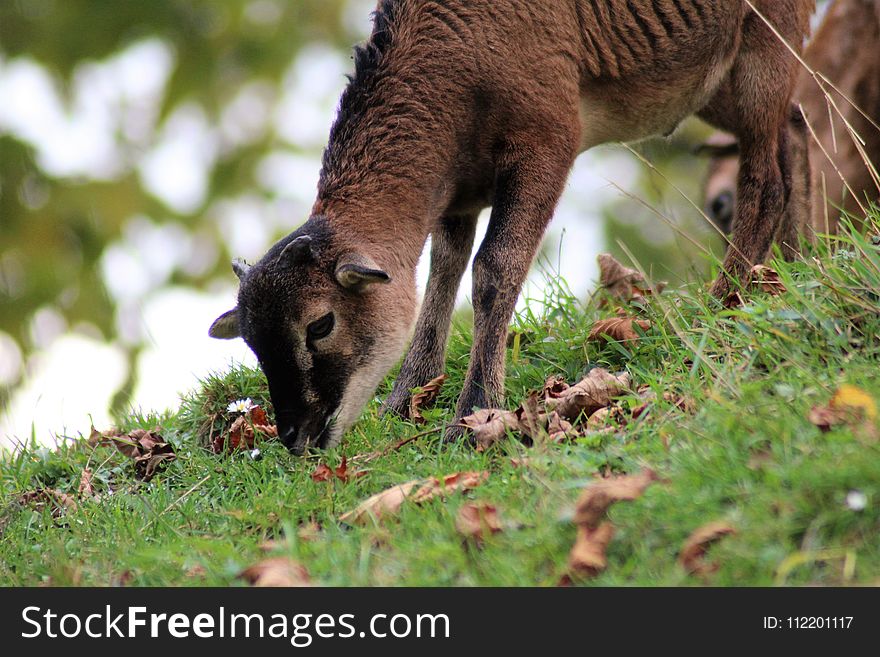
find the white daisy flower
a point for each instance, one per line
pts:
(856, 500)
(240, 405)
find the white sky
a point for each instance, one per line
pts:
(68, 383)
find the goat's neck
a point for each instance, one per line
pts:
(387, 183)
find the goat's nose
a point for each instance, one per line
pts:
(291, 439)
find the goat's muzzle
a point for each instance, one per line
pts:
(298, 437)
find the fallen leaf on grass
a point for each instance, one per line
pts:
(424, 397)
(489, 425)
(596, 390)
(618, 328)
(322, 473)
(150, 462)
(276, 571)
(547, 415)
(760, 276)
(694, 549)
(476, 520)
(435, 487)
(558, 429)
(85, 484)
(56, 501)
(618, 280)
(242, 432)
(388, 502)
(622, 282)
(608, 417)
(849, 405)
(587, 556)
(767, 279)
(341, 472)
(148, 449)
(599, 496)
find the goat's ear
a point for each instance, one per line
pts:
(356, 272)
(225, 327)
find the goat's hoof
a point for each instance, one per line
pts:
(720, 288)
(396, 406)
(456, 433)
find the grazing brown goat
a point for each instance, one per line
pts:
(846, 50)
(462, 104)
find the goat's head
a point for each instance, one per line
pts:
(719, 189)
(326, 323)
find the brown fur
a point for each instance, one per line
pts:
(846, 49)
(462, 104)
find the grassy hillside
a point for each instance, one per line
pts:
(734, 442)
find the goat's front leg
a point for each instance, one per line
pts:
(451, 244)
(525, 196)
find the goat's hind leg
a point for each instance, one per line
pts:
(451, 244)
(795, 166)
(754, 104)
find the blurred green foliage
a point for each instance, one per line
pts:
(54, 230)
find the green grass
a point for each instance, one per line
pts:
(748, 455)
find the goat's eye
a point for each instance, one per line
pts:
(320, 328)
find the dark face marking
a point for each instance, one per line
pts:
(292, 314)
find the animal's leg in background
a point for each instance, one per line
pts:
(754, 104)
(795, 166)
(526, 193)
(451, 244)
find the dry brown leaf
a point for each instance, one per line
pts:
(242, 432)
(148, 449)
(532, 421)
(341, 472)
(85, 484)
(587, 556)
(554, 386)
(489, 425)
(476, 520)
(388, 502)
(276, 571)
(344, 474)
(618, 328)
(435, 487)
(382, 504)
(734, 300)
(617, 279)
(695, 547)
(424, 397)
(608, 417)
(767, 279)
(51, 498)
(322, 473)
(558, 429)
(849, 405)
(598, 496)
(596, 390)
(150, 462)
